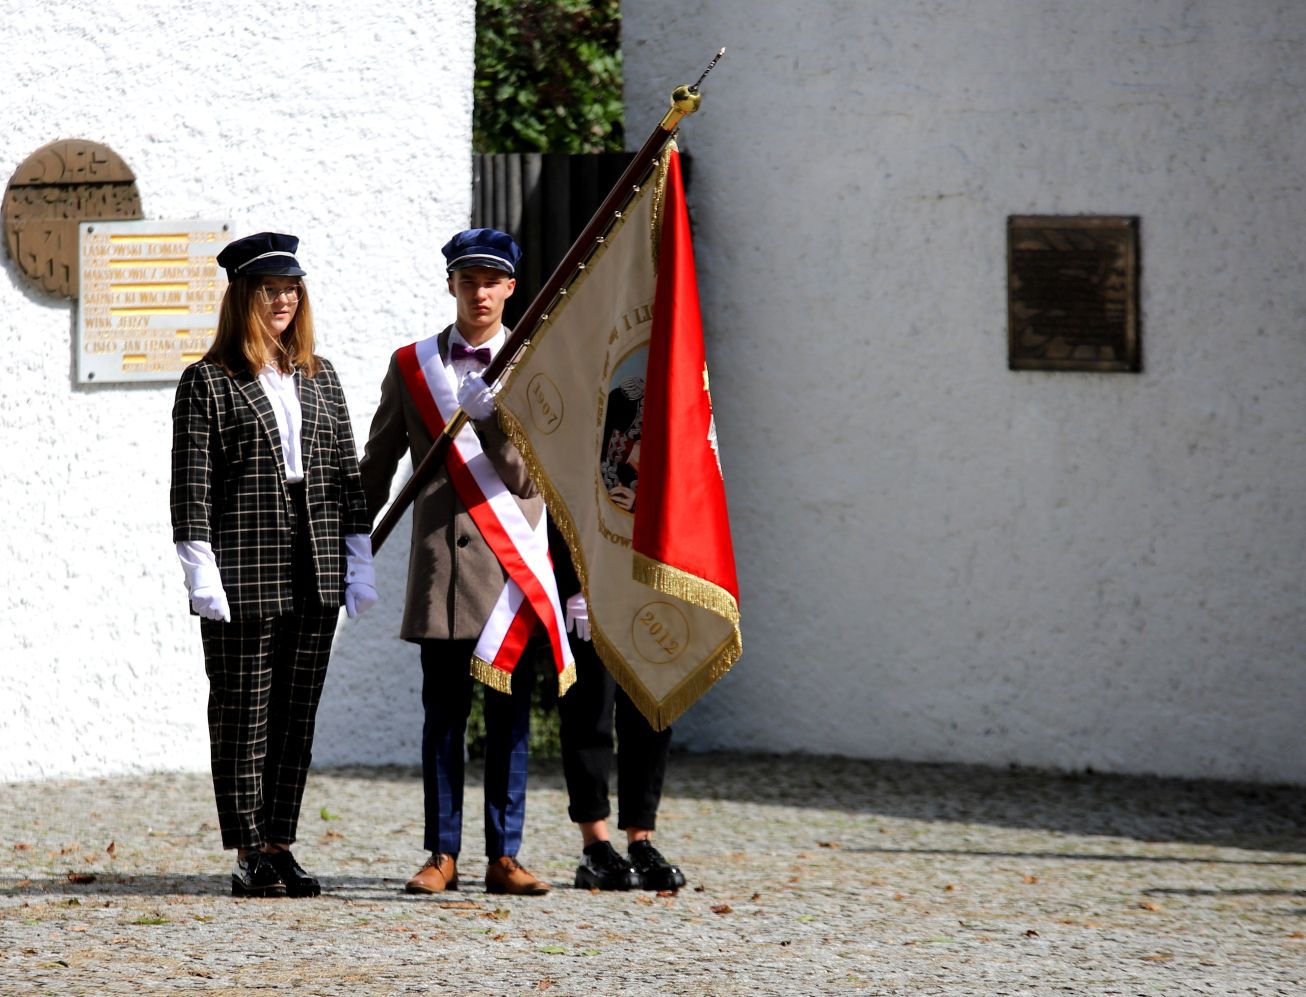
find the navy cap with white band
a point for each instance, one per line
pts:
(266, 254)
(482, 247)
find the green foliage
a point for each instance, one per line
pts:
(546, 736)
(548, 76)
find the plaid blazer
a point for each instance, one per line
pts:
(229, 484)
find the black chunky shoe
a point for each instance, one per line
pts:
(298, 882)
(603, 868)
(653, 870)
(255, 876)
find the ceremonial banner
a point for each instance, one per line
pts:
(609, 405)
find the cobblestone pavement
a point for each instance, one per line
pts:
(807, 876)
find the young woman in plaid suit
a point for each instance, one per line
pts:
(271, 527)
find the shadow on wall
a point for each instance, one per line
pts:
(1251, 816)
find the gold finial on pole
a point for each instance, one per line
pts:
(685, 100)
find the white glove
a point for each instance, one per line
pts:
(210, 602)
(578, 616)
(475, 398)
(358, 597)
(360, 575)
(207, 596)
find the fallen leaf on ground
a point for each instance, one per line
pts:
(81, 877)
(722, 909)
(1031, 879)
(829, 844)
(22, 846)
(1031, 933)
(1148, 905)
(112, 847)
(459, 905)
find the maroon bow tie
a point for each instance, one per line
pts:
(458, 352)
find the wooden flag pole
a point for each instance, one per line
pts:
(684, 102)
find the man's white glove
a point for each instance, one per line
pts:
(358, 597)
(475, 398)
(211, 603)
(360, 575)
(578, 616)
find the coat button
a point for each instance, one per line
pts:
(464, 540)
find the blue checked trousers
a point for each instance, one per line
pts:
(447, 700)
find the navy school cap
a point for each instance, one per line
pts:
(482, 247)
(266, 254)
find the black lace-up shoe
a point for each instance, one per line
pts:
(298, 882)
(653, 870)
(602, 868)
(255, 876)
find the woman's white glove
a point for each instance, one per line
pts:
(211, 603)
(207, 596)
(578, 616)
(475, 398)
(358, 597)
(360, 575)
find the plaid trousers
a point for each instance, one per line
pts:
(265, 682)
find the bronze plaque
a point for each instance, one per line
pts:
(55, 189)
(1072, 293)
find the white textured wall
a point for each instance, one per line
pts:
(346, 124)
(942, 559)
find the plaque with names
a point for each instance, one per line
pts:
(149, 297)
(1072, 293)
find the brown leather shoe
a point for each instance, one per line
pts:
(439, 874)
(506, 875)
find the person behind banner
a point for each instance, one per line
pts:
(271, 527)
(456, 579)
(586, 715)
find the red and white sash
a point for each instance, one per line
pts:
(530, 594)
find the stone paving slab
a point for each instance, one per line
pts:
(807, 876)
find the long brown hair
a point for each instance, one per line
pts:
(241, 343)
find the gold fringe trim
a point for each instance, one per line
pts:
(566, 679)
(662, 715)
(659, 181)
(487, 674)
(501, 681)
(684, 586)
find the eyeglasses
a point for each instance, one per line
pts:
(291, 292)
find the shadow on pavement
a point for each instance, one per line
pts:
(1240, 815)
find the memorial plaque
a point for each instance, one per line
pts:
(149, 298)
(55, 189)
(1072, 293)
